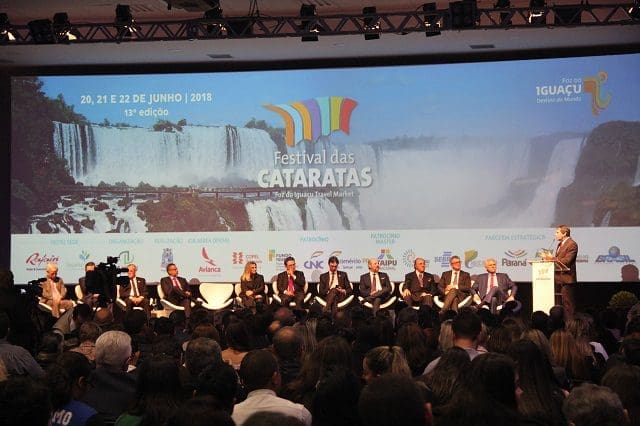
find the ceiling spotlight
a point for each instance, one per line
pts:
(215, 29)
(5, 29)
(634, 11)
(125, 24)
(62, 28)
(309, 26)
(537, 12)
(431, 20)
(41, 31)
(463, 13)
(505, 17)
(371, 22)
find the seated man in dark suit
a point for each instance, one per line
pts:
(375, 286)
(455, 285)
(135, 293)
(334, 286)
(419, 286)
(176, 289)
(291, 284)
(492, 289)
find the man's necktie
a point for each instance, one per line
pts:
(492, 281)
(290, 284)
(420, 279)
(175, 283)
(333, 277)
(455, 279)
(134, 288)
(373, 283)
(558, 247)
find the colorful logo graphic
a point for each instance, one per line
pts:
(385, 253)
(614, 256)
(237, 258)
(83, 256)
(593, 85)
(469, 257)
(386, 260)
(308, 120)
(515, 254)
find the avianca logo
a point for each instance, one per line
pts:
(593, 85)
(310, 119)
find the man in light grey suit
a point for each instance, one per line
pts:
(493, 288)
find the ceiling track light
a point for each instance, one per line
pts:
(431, 20)
(6, 33)
(125, 24)
(371, 23)
(62, 28)
(309, 25)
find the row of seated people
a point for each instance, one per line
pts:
(454, 289)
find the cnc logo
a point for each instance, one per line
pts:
(314, 261)
(310, 119)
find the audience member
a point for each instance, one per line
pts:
(24, 401)
(112, 387)
(393, 400)
(17, 360)
(466, 327)
(157, 393)
(592, 405)
(259, 373)
(288, 347)
(67, 379)
(336, 395)
(89, 333)
(624, 380)
(221, 382)
(382, 360)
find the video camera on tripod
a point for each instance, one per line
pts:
(104, 279)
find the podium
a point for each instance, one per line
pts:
(542, 284)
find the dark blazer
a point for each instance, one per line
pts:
(299, 281)
(567, 254)
(126, 290)
(173, 294)
(384, 286)
(464, 281)
(481, 285)
(343, 282)
(412, 283)
(256, 285)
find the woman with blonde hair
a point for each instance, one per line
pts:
(384, 359)
(252, 286)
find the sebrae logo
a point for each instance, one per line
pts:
(593, 85)
(310, 119)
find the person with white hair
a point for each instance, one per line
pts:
(112, 386)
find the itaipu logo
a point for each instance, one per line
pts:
(385, 258)
(310, 119)
(614, 256)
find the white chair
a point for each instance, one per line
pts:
(292, 304)
(168, 306)
(216, 296)
(79, 295)
(121, 303)
(439, 301)
(346, 302)
(384, 305)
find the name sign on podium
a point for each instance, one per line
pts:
(542, 284)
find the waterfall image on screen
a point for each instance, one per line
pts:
(387, 161)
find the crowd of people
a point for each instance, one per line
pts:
(268, 363)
